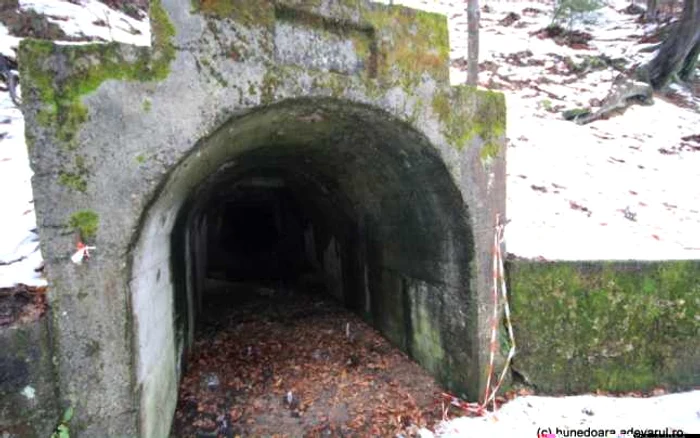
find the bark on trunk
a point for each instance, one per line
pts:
(8, 75)
(652, 10)
(473, 40)
(678, 47)
(690, 63)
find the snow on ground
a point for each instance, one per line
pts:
(8, 43)
(19, 247)
(19, 252)
(526, 416)
(610, 168)
(93, 20)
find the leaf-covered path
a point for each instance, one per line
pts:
(279, 363)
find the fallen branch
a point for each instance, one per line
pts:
(10, 262)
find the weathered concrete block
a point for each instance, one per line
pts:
(28, 398)
(614, 326)
(347, 102)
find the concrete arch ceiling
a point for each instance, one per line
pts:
(380, 189)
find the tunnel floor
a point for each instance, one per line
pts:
(287, 363)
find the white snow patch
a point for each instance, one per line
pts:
(93, 19)
(523, 416)
(29, 392)
(8, 43)
(19, 244)
(609, 167)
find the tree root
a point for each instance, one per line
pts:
(625, 92)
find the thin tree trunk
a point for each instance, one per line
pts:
(652, 13)
(473, 40)
(8, 75)
(690, 63)
(677, 47)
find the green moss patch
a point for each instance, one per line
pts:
(86, 222)
(72, 180)
(616, 326)
(271, 81)
(44, 72)
(467, 113)
(247, 12)
(76, 179)
(575, 113)
(410, 44)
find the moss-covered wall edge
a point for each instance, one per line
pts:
(614, 326)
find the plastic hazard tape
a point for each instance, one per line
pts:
(498, 280)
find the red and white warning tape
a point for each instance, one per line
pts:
(82, 253)
(498, 280)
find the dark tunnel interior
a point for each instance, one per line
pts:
(318, 197)
(272, 229)
(258, 235)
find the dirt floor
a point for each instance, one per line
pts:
(280, 364)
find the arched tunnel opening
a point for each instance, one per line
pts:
(305, 198)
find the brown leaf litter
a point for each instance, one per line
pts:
(297, 365)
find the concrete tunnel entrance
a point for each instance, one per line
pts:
(333, 191)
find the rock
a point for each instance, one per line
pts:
(211, 380)
(353, 361)
(320, 354)
(291, 401)
(633, 9)
(509, 19)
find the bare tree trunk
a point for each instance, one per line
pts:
(9, 75)
(473, 40)
(676, 51)
(652, 13)
(678, 55)
(690, 63)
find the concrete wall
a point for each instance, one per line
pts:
(614, 326)
(28, 405)
(123, 140)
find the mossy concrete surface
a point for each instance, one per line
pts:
(346, 100)
(612, 326)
